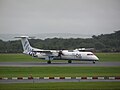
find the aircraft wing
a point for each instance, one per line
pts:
(41, 51)
(52, 53)
(47, 52)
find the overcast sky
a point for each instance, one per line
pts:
(59, 16)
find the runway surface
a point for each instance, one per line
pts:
(53, 80)
(60, 64)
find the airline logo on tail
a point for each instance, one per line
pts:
(27, 46)
(25, 43)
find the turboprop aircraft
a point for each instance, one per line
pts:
(56, 54)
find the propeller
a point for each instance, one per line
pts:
(60, 53)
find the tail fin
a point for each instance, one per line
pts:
(26, 45)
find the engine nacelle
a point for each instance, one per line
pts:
(33, 54)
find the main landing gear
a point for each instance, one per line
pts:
(49, 62)
(69, 61)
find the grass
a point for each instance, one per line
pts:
(108, 57)
(58, 71)
(17, 58)
(26, 58)
(63, 86)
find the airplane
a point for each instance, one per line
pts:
(50, 55)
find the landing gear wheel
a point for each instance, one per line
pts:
(93, 62)
(49, 62)
(69, 61)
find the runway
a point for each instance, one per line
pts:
(53, 80)
(60, 64)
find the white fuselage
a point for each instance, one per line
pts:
(71, 55)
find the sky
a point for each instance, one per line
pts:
(59, 16)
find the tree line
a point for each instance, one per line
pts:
(101, 43)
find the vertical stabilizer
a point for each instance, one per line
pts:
(25, 43)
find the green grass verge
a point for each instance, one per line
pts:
(26, 58)
(17, 58)
(63, 86)
(58, 71)
(109, 57)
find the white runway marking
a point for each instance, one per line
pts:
(58, 79)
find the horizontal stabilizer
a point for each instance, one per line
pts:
(24, 37)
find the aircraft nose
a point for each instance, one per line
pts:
(96, 58)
